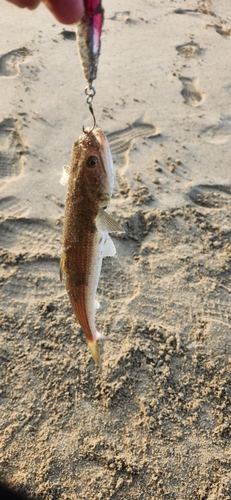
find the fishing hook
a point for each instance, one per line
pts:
(90, 93)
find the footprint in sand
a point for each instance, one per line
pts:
(33, 236)
(191, 92)
(12, 149)
(13, 207)
(190, 49)
(124, 16)
(121, 144)
(202, 9)
(211, 196)
(218, 134)
(10, 62)
(23, 282)
(121, 140)
(29, 257)
(222, 30)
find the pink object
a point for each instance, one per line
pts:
(66, 11)
(89, 35)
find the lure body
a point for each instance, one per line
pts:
(88, 38)
(86, 226)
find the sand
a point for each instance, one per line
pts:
(154, 422)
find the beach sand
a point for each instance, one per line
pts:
(154, 422)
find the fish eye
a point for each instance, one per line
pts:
(92, 161)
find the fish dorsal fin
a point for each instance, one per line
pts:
(109, 249)
(105, 223)
(65, 176)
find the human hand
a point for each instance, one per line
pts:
(65, 11)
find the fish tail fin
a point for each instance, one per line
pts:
(94, 348)
(95, 352)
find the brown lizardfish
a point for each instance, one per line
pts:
(86, 240)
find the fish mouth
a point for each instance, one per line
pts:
(103, 144)
(99, 135)
(106, 158)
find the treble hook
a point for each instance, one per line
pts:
(90, 93)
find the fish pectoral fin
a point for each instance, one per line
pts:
(65, 175)
(62, 266)
(106, 223)
(95, 352)
(109, 249)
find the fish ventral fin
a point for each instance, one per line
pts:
(109, 249)
(97, 304)
(99, 336)
(105, 223)
(65, 176)
(95, 352)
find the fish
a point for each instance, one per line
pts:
(87, 224)
(88, 37)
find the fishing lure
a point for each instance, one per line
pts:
(89, 40)
(89, 36)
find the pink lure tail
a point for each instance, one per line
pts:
(89, 36)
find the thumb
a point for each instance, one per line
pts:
(66, 11)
